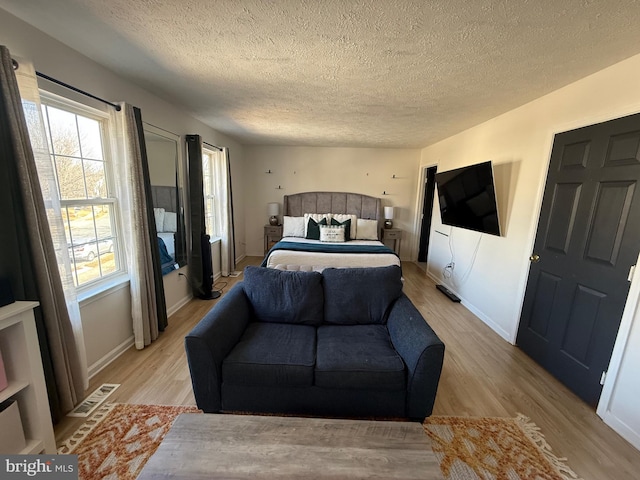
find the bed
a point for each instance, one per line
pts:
(297, 252)
(164, 211)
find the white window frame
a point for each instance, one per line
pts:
(209, 217)
(119, 276)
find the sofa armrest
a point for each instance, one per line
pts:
(210, 342)
(422, 352)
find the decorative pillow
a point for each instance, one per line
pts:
(283, 296)
(317, 217)
(313, 228)
(158, 213)
(355, 296)
(367, 229)
(342, 217)
(293, 226)
(347, 228)
(332, 233)
(170, 222)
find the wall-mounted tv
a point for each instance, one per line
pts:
(467, 198)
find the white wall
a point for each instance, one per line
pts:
(519, 142)
(307, 169)
(106, 329)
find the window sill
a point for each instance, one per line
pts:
(213, 240)
(107, 287)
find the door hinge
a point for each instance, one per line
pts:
(603, 378)
(632, 270)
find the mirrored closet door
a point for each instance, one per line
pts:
(163, 152)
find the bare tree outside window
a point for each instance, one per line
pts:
(77, 148)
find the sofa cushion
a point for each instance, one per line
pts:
(283, 296)
(358, 356)
(360, 295)
(272, 354)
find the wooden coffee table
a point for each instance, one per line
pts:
(265, 447)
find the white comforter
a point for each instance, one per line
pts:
(285, 258)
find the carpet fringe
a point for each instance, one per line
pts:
(535, 435)
(69, 445)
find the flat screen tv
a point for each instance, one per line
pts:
(467, 198)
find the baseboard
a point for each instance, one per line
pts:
(179, 305)
(622, 429)
(110, 357)
(495, 327)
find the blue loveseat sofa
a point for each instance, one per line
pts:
(344, 342)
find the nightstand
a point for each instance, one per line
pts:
(272, 234)
(394, 234)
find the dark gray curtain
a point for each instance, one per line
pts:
(198, 266)
(232, 225)
(27, 255)
(15, 253)
(161, 304)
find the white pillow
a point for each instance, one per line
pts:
(342, 217)
(293, 226)
(332, 233)
(170, 222)
(317, 217)
(158, 213)
(367, 229)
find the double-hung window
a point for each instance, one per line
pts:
(79, 148)
(208, 180)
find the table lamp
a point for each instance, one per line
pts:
(388, 217)
(273, 209)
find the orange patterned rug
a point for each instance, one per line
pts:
(472, 448)
(118, 439)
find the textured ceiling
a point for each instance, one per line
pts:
(370, 73)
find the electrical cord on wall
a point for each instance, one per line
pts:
(448, 272)
(466, 274)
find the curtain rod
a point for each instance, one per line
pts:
(70, 87)
(212, 146)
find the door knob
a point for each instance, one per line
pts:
(534, 258)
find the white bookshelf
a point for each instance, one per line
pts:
(23, 364)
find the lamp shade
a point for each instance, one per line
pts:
(388, 213)
(273, 209)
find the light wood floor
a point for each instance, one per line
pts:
(483, 375)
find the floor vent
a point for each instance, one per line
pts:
(94, 400)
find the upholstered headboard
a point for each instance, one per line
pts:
(164, 197)
(363, 206)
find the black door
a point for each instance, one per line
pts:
(427, 209)
(588, 238)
